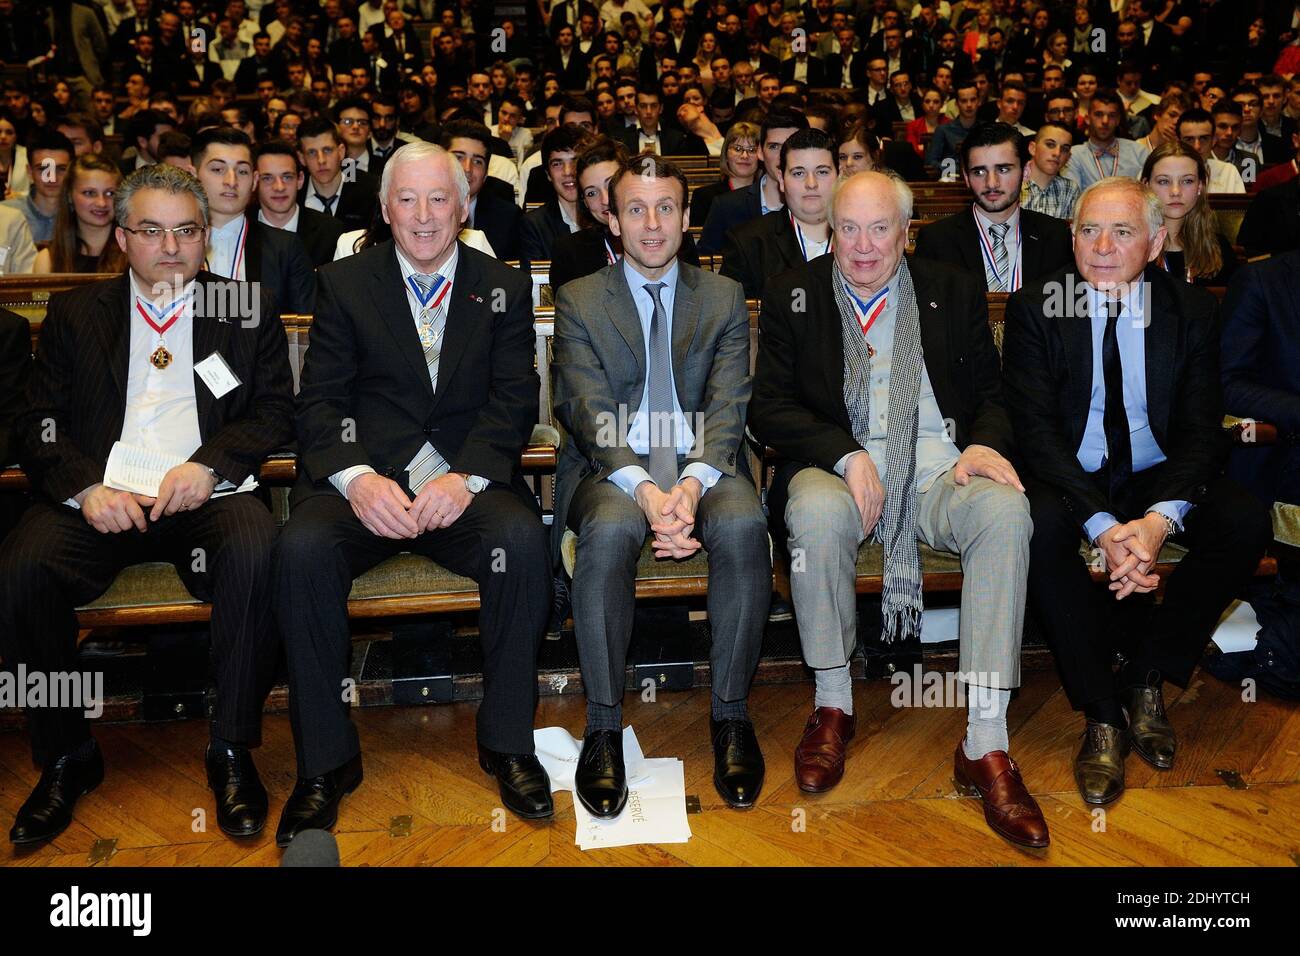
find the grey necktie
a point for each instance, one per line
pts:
(663, 436)
(998, 236)
(428, 463)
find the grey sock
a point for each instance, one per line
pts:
(604, 717)
(834, 688)
(986, 721)
(730, 709)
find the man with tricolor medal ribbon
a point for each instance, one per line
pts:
(878, 386)
(759, 249)
(154, 398)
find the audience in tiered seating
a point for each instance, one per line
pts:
(1128, 151)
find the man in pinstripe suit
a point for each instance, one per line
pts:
(146, 360)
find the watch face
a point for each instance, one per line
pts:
(476, 483)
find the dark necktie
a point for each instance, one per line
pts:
(663, 438)
(1119, 451)
(328, 202)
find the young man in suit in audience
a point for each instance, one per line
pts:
(539, 228)
(162, 359)
(1112, 379)
(668, 344)
(347, 195)
(764, 194)
(650, 135)
(279, 180)
(995, 239)
(755, 251)
(15, 367)
(937, 472)
(240, 246)
(498, 219)
(418, 396)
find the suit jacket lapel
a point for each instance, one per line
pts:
(464, 317)
(623, 315)
(788, 243)
(114, 327)
(1031, 251)
(1159, 341)
(754, 198)
(253, 249)
(389, 297)
(1076, 340)
(209, 333)
(686, 319)
(935, 348)
(969, 247)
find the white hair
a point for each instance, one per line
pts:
(414, 153)
(1150, 201)
(902, 194)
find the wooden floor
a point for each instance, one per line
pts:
(896, 805)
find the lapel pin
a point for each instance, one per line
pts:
(476, 298)
(934, 305)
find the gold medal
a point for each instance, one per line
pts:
(160, 358)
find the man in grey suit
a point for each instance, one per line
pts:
(652, 383)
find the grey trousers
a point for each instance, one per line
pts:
(611, 530)
(986, 523)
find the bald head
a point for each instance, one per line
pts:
(869, 215)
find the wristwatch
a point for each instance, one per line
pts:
(474, 484)
(1171, 529)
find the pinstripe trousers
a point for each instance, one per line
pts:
(54, 561)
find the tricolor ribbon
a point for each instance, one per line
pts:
(870, 310)
(156, 322)
(437, 291)
(803, 243)
(986, 247)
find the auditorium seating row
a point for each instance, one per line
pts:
(409, 584)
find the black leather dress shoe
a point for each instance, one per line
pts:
(48, 811)
(241, 798)
(525, 787)
(737, 762)
(601, 780)
(1099, 764)
(1149, 729)
(314, 803)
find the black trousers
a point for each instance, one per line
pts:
(1225, 536)
(499, 542)
(54, 561)
(612, 530)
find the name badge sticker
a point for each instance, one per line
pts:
(217, 376)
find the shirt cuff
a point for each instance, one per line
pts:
(1101, 522)
(340, 479)
(628, 477)
(842, 465)
(1175, 511)
(702, 472)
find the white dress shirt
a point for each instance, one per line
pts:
(162, 413)
(290, 226)
(314, 201)
(226, 249)
(1011, 279)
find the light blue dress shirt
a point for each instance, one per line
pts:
(638, 432)
(1130, 332)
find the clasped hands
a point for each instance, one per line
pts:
(671, 516)
(184, 488)
(385, 509)
(1130, 550)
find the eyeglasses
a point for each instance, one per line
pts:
(153, 235)
(744, 150)
(350, 121)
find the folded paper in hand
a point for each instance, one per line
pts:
(141, 470)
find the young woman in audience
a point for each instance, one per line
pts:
(83, 227)
(15, 178)
(739, 163)
(1057, 51)
(1085, 84)
(933, 118)
(1194, 248)
(704, 54)
(61, 93)
(859, 149)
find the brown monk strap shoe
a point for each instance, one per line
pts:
(1099, 764)
(1009, 809)
(1149, 729)
(819, 758)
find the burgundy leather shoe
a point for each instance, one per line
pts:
(819, 758)
(1009, 809)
